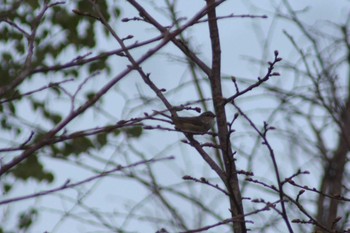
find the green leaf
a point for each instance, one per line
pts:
(98, 65)
(116, 132)
(134, 132)
(77, 146)
(12, 108)
(33, 3)
(90, 95)
(27, 218)
(56, 118)
(6, 56)
(117, 12)
(32, 168)
(36, 105)
(101, 139)
(7, 187)
(53, 117)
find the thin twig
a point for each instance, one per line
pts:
(68, 185)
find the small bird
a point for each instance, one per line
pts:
(195, 125)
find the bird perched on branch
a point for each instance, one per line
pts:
(195, 125)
